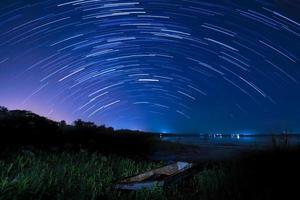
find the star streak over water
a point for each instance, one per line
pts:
(161, 65)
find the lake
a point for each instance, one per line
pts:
(219, 147)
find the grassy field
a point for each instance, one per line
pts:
(83, 175)
(64, 175)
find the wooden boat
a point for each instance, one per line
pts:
(156, 178)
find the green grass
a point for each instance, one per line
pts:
(65, 175)
(83, 175)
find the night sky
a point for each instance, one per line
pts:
(158, 65)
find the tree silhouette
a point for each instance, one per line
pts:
(19, 127)
(3, 109)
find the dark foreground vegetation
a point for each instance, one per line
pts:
(24, 128)
(84, 175)
(70, 165)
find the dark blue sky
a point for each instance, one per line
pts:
(160, 65)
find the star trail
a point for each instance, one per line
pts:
(159, 65)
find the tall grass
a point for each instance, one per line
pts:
(65, 175)
(83, 175)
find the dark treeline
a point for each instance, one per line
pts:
(24, 128)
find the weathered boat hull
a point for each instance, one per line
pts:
(163, 176)
(139, 186)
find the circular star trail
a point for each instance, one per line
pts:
(159, 65)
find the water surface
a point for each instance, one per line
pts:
(222, 147)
